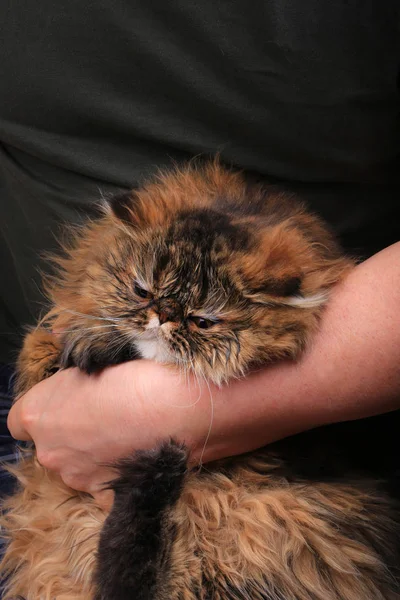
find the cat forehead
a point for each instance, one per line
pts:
(204, 227)
(204, 240)
(195, 240)
(206, 248)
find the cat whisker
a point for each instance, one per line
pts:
(119, 347)
(133, 312)
(210, 426)
(87, 316)
(95, 327)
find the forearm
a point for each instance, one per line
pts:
(351, 370)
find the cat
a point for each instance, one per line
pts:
(214, 274)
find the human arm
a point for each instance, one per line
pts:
(351, 370)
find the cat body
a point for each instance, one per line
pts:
(215, 276)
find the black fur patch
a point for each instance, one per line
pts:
(93, 359)
(281, 287)
(203, 227)
(133, 555)
(121, 205)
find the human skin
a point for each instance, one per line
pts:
(80, 422)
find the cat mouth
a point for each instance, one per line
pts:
(152, 345)
(150, 334)
(154, 348)
(154, 331)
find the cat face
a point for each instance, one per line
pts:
(198, 270)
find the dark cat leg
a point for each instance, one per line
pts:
(90, 355)
(135, 542)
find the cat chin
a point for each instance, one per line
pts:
(154, 349)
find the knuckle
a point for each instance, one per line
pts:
(73, 480)
(27, 416)
(47, 459)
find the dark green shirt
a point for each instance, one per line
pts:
(97, 94)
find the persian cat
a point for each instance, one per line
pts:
(215, 275)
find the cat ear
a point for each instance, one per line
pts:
(140, 209)
(282, 264)
(289, 267)
(275, 268)
(122, 206)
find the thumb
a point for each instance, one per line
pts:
(16, 421)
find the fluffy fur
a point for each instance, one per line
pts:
(205, 271)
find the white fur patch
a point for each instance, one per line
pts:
(313, 301)
(151, 344)
(154, 323)
(154, 349)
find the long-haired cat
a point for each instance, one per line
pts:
(212, 274)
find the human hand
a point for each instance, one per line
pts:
(81, 423)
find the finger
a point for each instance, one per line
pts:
(104, 499)
(15, 422)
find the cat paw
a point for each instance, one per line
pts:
(38, 359)
(91, 357)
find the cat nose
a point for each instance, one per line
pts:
(168, 312)
(164, 316)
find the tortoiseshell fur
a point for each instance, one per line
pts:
(214, 275)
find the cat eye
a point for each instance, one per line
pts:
(141, 292)
(203, 323)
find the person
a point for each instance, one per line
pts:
(97, 96)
